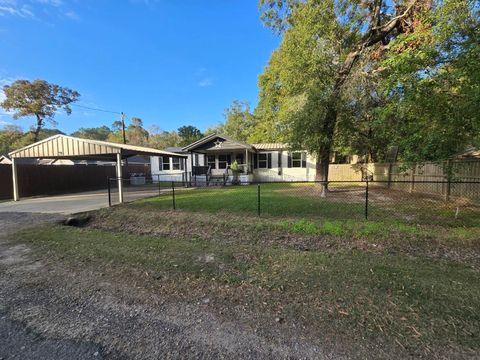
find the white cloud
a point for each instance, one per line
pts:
(23, 11)
(55, 3)
(206, 82)
(37, 9)
(72, 15)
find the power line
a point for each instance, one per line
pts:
(95, 109)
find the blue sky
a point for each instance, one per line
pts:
(169, 62)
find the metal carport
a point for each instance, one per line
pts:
(69, 147)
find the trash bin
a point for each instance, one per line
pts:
(137, 179)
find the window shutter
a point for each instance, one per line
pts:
(304, 159)
(255, 161)
(289, 159)
(279, 163)
(182, 161)
(160, 163)
(269, 160)
(229, 159)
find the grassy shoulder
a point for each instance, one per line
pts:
(421, 306)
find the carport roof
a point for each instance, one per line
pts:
(63, 146)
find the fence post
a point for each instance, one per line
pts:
(173, 195)
(109, 192)
(448, 190)
(390, 166)
(366, 201)
(159, 186)
(258, 199)
(412, 178)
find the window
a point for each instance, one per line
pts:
(211, 161)
(298, 159)
(175, 163)
(239, 159)
(265, 161)
(223, 161)
(165, 163)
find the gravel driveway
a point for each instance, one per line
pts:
(48, 311)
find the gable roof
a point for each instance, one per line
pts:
(63, 146)
(208, 138)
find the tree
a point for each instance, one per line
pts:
(239, 121)
(189, 134)
(432, 79)
(160, 139)
(323, 41)
(135, 132)
(96, 133)
(9, 135)
(37, 98)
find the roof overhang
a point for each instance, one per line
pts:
(199, 143)
(69, 147)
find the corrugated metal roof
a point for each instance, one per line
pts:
(63, 146)
(270, 146)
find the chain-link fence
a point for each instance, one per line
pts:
(375, 200)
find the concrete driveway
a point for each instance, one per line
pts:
(78, 202)
(59, 204)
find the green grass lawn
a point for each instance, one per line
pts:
(414, 304)
(304, 200)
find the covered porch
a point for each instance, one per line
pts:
(219, 153)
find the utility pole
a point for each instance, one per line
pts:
(122, 116)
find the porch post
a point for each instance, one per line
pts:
(246, 161)
(119, 178)
(14, 179)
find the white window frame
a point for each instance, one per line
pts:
(166, 163)
(260, 161)
(175, 163)
(302, 159)
(213, 163)
(221, 162)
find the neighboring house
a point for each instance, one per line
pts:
(210, 158)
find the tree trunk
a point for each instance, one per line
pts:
(39, 126)
(324, 153)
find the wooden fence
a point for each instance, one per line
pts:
(411, 176)
(36, 180)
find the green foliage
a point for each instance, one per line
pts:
(239, 121)
(333, 85)
(96, 133)
(234, 167)
(189, 134)
(9, 136)
(160, 139)
(37, 98)
(12, 137)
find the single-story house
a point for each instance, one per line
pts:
(210, 159)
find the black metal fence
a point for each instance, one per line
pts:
(375, 200)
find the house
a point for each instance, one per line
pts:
(209, 160)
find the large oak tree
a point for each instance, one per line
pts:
(37, 98)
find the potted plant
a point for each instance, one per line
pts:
(235, 171)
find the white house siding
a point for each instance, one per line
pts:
(276, 173)
(285, 173)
